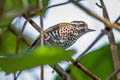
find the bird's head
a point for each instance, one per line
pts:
(81, 26)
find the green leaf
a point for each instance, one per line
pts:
(14, 8)
(35, 5)
(12, 5)
(8, 43)
(99, 62)
(11, 9)
(45, 4)
(37, 57)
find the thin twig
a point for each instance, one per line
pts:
(14, 74)
(55, 5)
(41, 35)
(60, 4)
(18, 75)
(64, 75)
(112, 42)
(82, 68)
(116, 21)
(91, 45)
(18, 43)
(98, 5)
(32, 23)
(16, 32)
(23, 27)
(41, 23)
(20, 36)
(38, 29)
(106, 21)
(42, 72)
(113, 74)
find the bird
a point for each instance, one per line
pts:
(66, 34)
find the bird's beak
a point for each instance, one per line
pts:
(89, 30)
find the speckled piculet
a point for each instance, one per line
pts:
(66, 34)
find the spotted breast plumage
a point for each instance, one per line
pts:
(66, 34)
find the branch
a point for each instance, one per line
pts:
(62, 73)
(18, 75)
(20, 36)
(41, 35)
(45, 8)
(91, 45)
(16, 32)
(106, 21)
(98, 5)
(113, 74)
(116, 21)
(14, 76)
(41, 23)
(112, 42)
(18, 44)
(38, 29)
(82, 68)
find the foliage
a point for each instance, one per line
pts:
(9, 12)
(37, 57)
(99, 62)
(8, 43)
